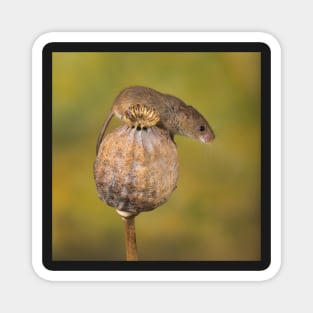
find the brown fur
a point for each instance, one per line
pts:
(175, 116)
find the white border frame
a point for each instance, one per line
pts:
(156, 275)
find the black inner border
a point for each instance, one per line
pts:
(265, 155)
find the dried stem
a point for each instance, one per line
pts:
(130, 237)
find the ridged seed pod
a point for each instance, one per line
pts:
(136, 168)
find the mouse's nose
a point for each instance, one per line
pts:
(207, 137)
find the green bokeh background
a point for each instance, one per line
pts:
(214, 214)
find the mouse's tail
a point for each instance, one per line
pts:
(103, 129)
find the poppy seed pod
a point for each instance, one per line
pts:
(136, 168)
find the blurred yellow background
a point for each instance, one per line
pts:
(214, 214)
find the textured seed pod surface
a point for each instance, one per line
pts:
(136, 169)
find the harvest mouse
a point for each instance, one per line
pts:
(175, 116)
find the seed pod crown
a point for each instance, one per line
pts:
(140, 116)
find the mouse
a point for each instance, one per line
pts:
(176, 117)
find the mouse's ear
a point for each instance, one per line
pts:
(184, 112)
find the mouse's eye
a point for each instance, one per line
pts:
(201, 128)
